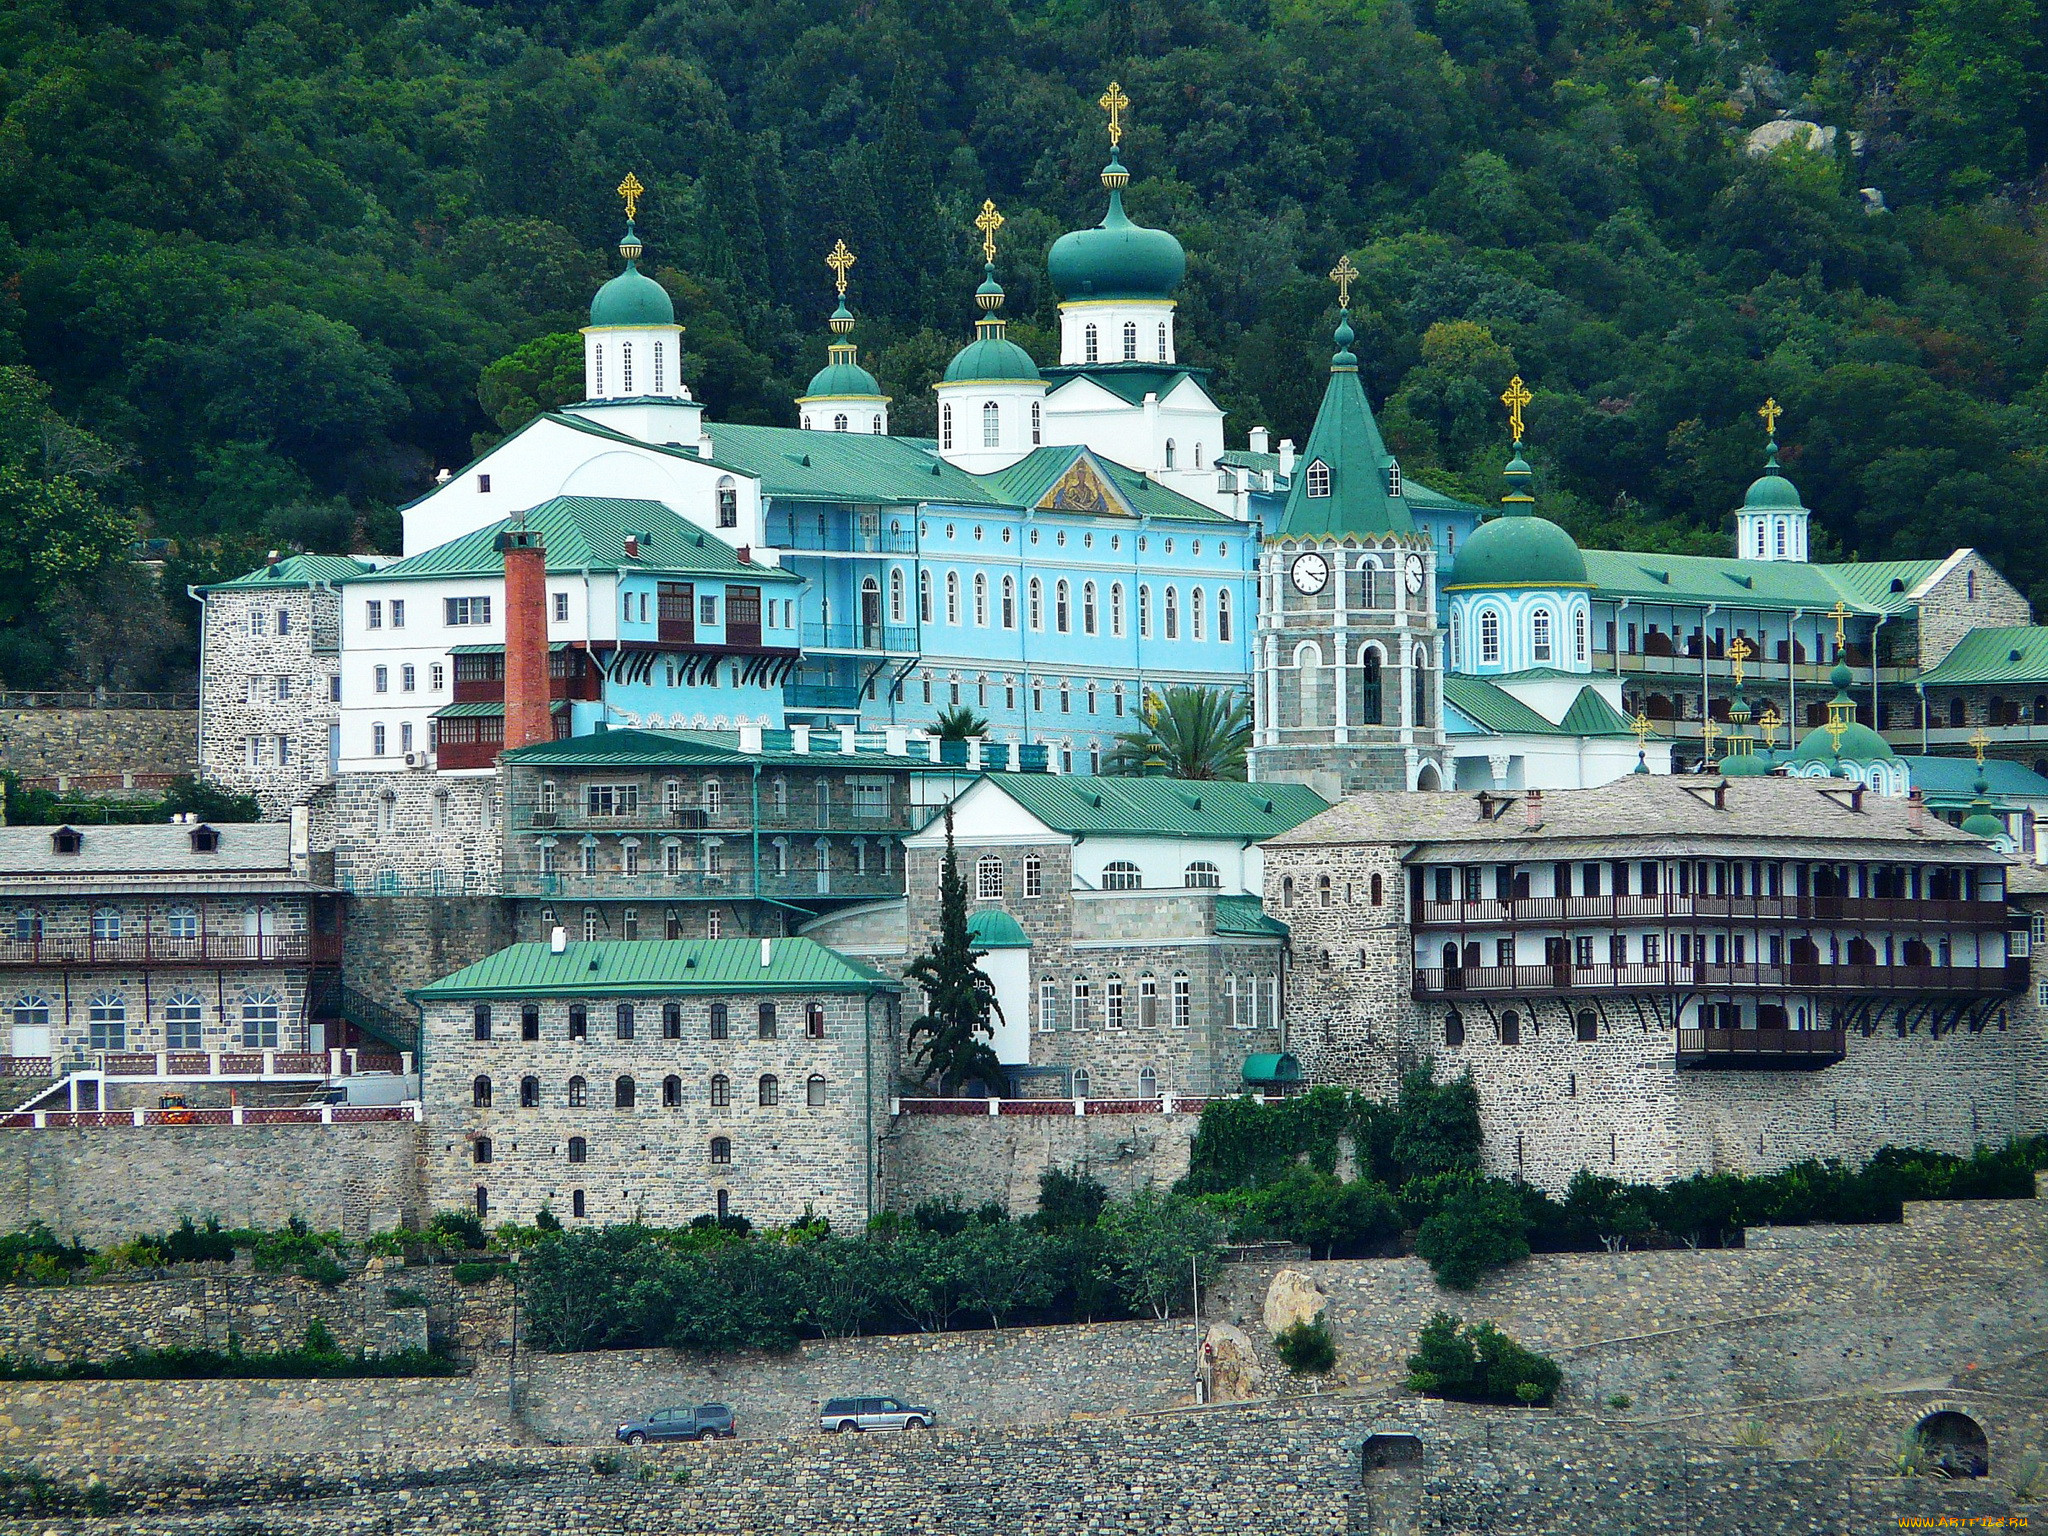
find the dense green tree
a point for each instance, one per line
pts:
(543, 375)
(1480, 1226)
(1186, 733)
(949, 1040)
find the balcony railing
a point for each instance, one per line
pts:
(1523, 980)
(841, 541)
(739, 885)
(804, 813)
(891, 639)
(123, 1119)
(160, 949)
(1552, 910)
(1803, 1049)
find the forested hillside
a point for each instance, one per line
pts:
(264, 256)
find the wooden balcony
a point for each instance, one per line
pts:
(1778, 1050)
(1563, 980)
(156, 949)
(1552, 911)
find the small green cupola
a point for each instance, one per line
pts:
(1842, 741)
(633, 348)
(1518, 548)
(991, 396)
(1117, 259)
(1771, 523)
(843, 396)
(1983, 820)
(632, 298)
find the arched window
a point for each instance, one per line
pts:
(721, 1091)
(946, 426)
(1087, 607)
(720, 1022)
(183, 1012)
(1082, 1083)
(480, 1093)
(1202, 875)
(1062, 597)
(107, 1022)
(671, 1021)
(1318, 478)
(626, 366)
(728, 502)
(480, 1149)
(952, 597)
(1322, 890)
(1130, 341)
(1121, 875)
(1378, 891)
(1489, 637)
(1510, 1028)
(657, 368)
(1172, 613)
(1195, 607)
(597, 370)
(624, 1018)
(1539, 635)
(1223, 613)
(1037, 424)
(1035, 596)
(1781, 538)
(1144, 612)
(579, 1150)
(1454, 1028)
(924, 596)
(896, 595)
(260, 1012)
(622, 1093)
(770, 1090)
(28, 926)
(991, 424)
(579, 1093)
(1287, 890)
(529, 1093)
(980, 600)
(1162, 341)
(1171, 454)
(181, 924)
(1116, 608)
(721, 1153)
(1581, 639)
(839, 422)
(1034, 875)
(1090, 346)
(671, 1092)
(1009, 602)
(988, 878)
(814, 1092)
(814, 1020)
(106, 925)
(1393, 479)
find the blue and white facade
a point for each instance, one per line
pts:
(1497, 631)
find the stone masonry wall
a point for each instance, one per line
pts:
(1971, 596)
(411, 830)
(201, 1307)
(393, 944)
(39, 742)
(260, 688)
(972, 1159)
(106, 1186)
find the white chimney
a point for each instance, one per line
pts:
(1286, 455)
(767, 951)
(800, 738)
(558, 940)
(1261, 440)
(847, 733)
(896, 738)
(750, 738)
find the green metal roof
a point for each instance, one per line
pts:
(1026, 482)
(1146, 807)
(651, 966)
(993, 928)
(637, 747)
(1951, 781)
(1247, 915)
(1347, 441)
(589, 533)
(1130, 382)
(1865, 587)
(1272, 1067)
(1592, 715)
(1494, 709)
(296, 571)
(487, 708)
(844, 466)
(1420, 498)
(2015, 653)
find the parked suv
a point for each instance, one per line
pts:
(707, 1421)
(858, 1413)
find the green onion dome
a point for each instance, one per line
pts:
(847, 378)
(991, 357)
(1981, 822)
(1117, 259)
(1771, 491)
(1518, 548)
(632, 298)
(1860, 744)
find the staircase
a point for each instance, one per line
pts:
(332, 998)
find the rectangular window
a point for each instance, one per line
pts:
(437, 677)
(373, 614)
(1582, 952)
(1148, 1003)
(1081, 1004)
(1049, 1007)
(1113, 1003)
(284, 751)
(284, 686)
(767, 1021)
(468, 610)
(377, 740)
(408, 678)
(1503, 953)
(334, 689)
(1652, 944)
(529, 1022)
(707, 612)
(398, 613)
(380, 679)
(483, 485)
(611, 799)
(1183, 1002)
(480, 1021)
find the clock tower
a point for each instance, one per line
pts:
(1348, 660)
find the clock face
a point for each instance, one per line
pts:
(1310, 572)
(1413, 571)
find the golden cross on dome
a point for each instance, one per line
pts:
(1771, 411)
(1835, 725)
(1978, 743)
(1344, 274)
(1643, 726)
(630, 189)
(839, 260)
(1768, 722)
(1710, 732)
(1840, 614)
(1514, 398)
(988, 221)
(1739, 650)
(1113, 102)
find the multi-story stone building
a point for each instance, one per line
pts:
(180, 938)
(270, 678)
(659, 1082)
(1665, 974)
(1122, 920)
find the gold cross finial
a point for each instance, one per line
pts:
(988, 221)
(1835, 726)
(1113, 102)
(1840, 614)
(1739, 650)
(1978, 743)
(1514, 398)
(1643, 726)
(839, 260)
(1768, 722)
(1344, 274)
(1771, 411)
(630, 189)
(1710, 732)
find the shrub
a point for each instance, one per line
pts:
(187, 1244)
(1330, 1218)
(1306, 1348)
(1068, 1200)
(1479, 1227)
(1620, 1402)
(477, 1272)
(320, 1339)
(2028, 1479)
(455, 1229)
(1477, 1363)
(604, 1463)
(324, 1269)
(399, 1296)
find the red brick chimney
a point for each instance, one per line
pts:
(527, 717)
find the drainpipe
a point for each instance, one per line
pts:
(200, 735)
(1620, 631)
(754, 817)
(1792, 679)
(1876, 718)
(1706, 694)
(1921, 689)
(867, 1046)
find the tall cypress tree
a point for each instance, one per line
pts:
(908, 201)
(950, 1039)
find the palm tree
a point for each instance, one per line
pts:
(959, 724)
(1185, 733)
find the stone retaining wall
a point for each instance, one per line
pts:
(38, 742)
(106, 1186)
(971, 1159)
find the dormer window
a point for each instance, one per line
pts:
(205, 839)
(66, 840)
(1393, 479)
(1318, 478)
